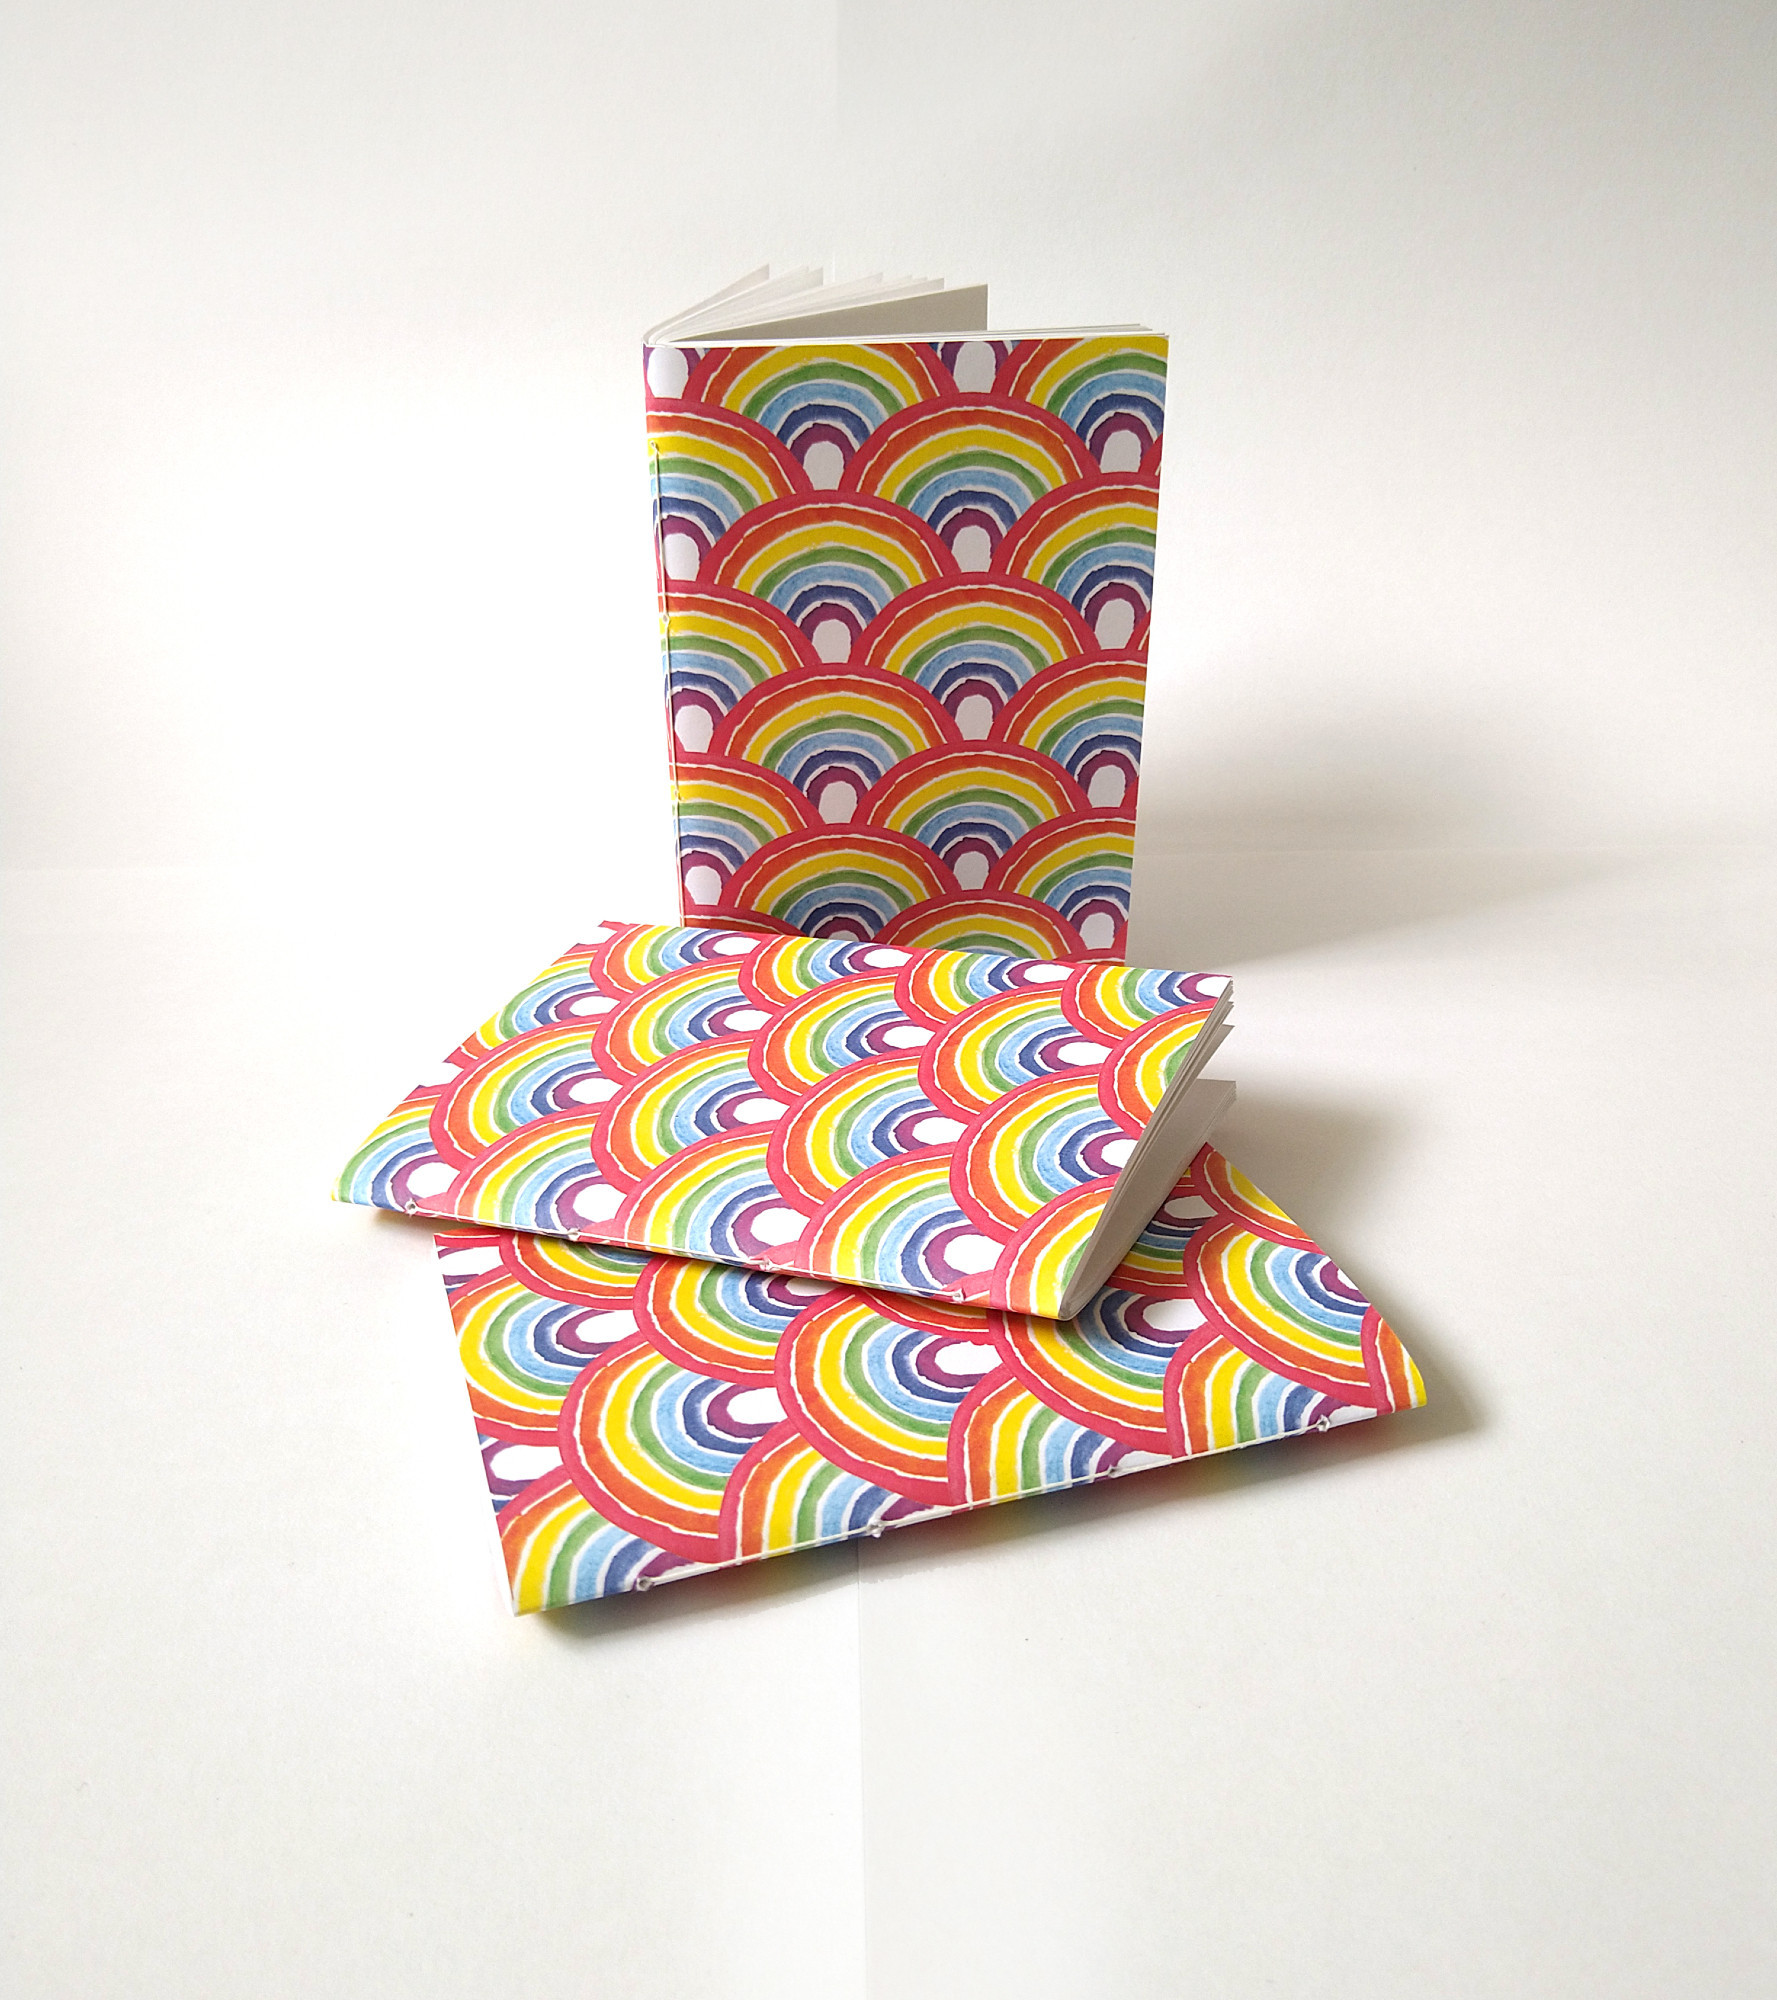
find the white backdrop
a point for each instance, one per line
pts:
(325, 433)
(328, 634)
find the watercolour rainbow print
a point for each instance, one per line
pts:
(950, 1124)
(905, 592)
(643, 1419)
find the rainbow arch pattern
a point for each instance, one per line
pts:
(887, 566)
(645, 1418)
(945, 1123)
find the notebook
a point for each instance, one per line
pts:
(647, 1418)
(963, 1126)
(906, 575)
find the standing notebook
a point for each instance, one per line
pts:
(905, 592)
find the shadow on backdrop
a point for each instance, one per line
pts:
(1333, 826)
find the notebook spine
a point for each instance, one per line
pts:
(664, 609)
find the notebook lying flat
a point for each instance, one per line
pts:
(963, 1126)
(906, 575)
(646, 1418)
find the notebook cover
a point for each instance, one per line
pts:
(905, 596)
(645, 1418)
(945, 1123)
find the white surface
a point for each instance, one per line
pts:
(274, 1730)
(1474, 1701)
(323, 433)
